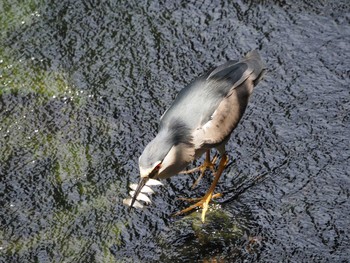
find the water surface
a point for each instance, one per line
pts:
(82, 87)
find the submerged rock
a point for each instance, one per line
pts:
(220, 226)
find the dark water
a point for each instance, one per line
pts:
(82, 86)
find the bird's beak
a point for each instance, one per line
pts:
(138, 190)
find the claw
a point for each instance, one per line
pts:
(204, 201)
(207, 164)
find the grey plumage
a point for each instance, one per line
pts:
(172, 134)
(204, 113)
(202, 117)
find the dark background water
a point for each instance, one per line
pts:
(82, 87)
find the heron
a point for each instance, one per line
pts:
(202, 116)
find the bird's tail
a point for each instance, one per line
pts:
(254, 62)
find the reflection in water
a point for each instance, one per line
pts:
(82, 88)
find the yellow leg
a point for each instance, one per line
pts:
(207, 164)
(196, 199)
(204, 201)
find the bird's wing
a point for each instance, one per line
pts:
(230, 110)
(227, 114)
(196, 103)
(212, 105)
(238, 79)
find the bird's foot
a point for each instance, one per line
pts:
(202, 202)
(197, 199)
(207, 164)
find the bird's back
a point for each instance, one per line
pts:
(195, 104)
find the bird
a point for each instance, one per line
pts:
(202, 117)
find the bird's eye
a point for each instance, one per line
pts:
(157, 167)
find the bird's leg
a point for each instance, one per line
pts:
(207, 164)
(196, 199)
(204, 201)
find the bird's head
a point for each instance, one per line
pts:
(151, 162)
(166, 155)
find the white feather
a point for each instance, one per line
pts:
(133, 186)
(151, 182)
(141, 197)
(146, 189)
(137, 204)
